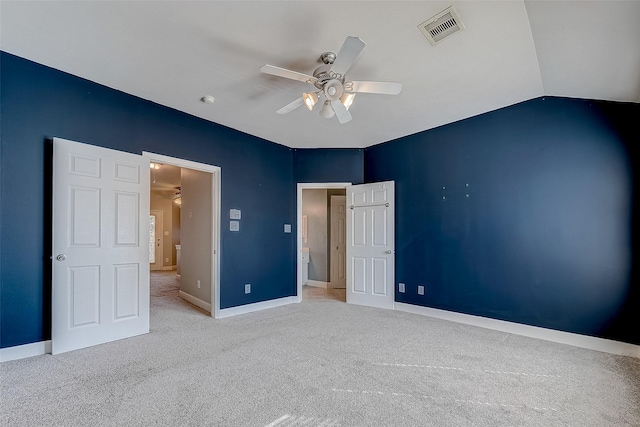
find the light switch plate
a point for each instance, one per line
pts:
(235, 214)
(234, 225)
(287, 228)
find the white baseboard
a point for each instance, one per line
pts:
(577, 340)
(24, 351)
(249, 308)
(318, 284)
(195, 301)
(170, 267)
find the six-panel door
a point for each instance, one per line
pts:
(370, 244)
(100, 245)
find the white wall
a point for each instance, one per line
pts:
(196, 234)
(314, 206)
(175, 232)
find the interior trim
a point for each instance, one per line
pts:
(256, 306)
(318, 284)
(195, 301)
(25, 350)
(577, 340)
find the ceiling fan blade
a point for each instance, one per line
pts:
(341, 112)
(385, 88)
(349, 52)
(288, 74)
(291, 106)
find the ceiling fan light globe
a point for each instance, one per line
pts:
(347, 99)
(310, 99)
(327, 111)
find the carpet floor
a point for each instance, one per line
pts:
(318, 363)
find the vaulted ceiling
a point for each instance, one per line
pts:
(175, 52)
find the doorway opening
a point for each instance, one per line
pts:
(321, 257)
(189, 194)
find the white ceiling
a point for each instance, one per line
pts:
(175, 52)
(166, 180)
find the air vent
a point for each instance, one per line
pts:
(441, 26)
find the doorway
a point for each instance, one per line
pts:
(315, 250)
(195, 254)
(103, 204)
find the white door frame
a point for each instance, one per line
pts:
(334, 261)
(308, 186)
(215, 172)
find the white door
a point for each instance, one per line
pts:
(338, 254)
(370, 244)
(100, 245)
(155, 240)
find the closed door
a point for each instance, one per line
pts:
(371, 244)
(100, 247)
(338, 255)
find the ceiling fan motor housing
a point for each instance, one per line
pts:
(328, 57)
(323, 74)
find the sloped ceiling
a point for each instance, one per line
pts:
(175, 52)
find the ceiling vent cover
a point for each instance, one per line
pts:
(438, 27)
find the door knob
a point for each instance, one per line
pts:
(388, 252)
(61, 257)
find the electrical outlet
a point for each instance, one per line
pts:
(166, 260)
(420, 289)
(198, 284)
(247, 288)
(401, 287)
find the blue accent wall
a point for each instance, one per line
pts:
(545, 236)
(38, 103)
(329, 165)
(522, 214)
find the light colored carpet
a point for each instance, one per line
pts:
(319, 363)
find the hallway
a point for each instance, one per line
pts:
(314, 293)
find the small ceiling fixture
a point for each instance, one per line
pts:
(154, 167)
(208, 99)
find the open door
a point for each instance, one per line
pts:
(100, 245)
(371, 244)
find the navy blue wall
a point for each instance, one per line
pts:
(39, 103)
(329, 165)
(522, 214)
(544, 238)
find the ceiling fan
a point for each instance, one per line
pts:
(176, 195)
(329, 82)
